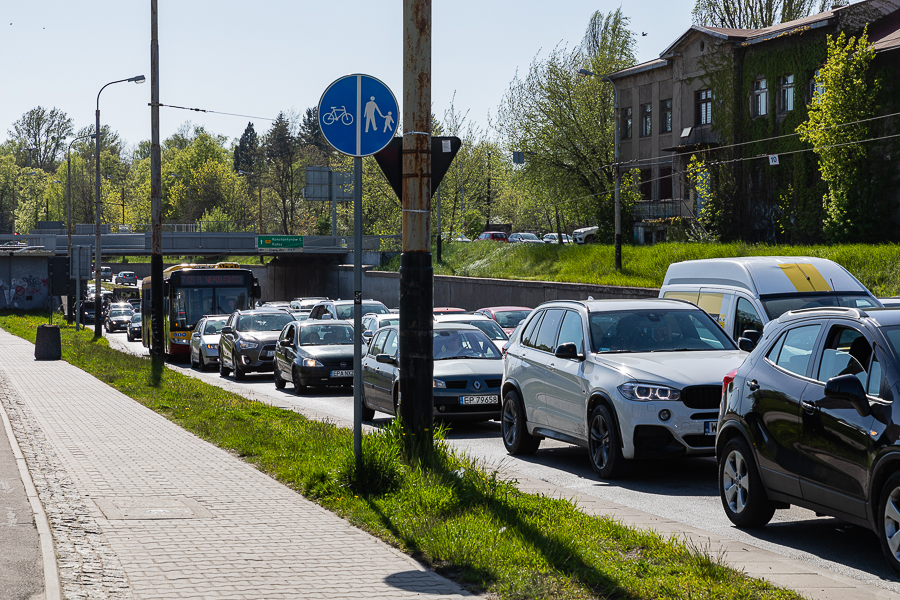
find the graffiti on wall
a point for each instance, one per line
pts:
(23, 290)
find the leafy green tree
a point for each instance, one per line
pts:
(44, 132)
(246, 152)
(753, 14)
(310, 133)
(564, 123)
(856, 205)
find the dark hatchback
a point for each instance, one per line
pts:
(314, 353)
(810, 419)
(248, 341)
(468, 371)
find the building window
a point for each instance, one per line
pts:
(760, 98)
(646, 120)
(665, 183)
(647, 184)
(703, 112)
(815, 88)
(665, 110)
(786, 93)
(626, 123)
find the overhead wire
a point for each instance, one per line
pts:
(215, 112)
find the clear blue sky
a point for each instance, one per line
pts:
(259, 58)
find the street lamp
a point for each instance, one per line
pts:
(618, 238)
(98, 328)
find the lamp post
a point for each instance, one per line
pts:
(98, 328)
(618, 238)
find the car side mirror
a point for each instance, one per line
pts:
(285, 343)
(368, 334)
(746, 344)
(752, 335)
(227, 329)
(849, 389)
(568, 351)
(386, 359)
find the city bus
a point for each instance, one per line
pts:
(191, 291)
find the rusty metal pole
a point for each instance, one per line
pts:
(157, 347)
(416, 272)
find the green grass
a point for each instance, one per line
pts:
(447, 512)
(876, 266)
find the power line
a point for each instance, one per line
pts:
(215, 112)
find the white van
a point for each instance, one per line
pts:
(747, 292)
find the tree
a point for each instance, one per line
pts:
(856, 205)
(45, 132)
(753, 14)
(281, 152)
(564, 123)
(310, 133)
(246, 153)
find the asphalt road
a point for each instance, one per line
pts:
(684, 490)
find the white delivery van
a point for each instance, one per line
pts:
(747, 292)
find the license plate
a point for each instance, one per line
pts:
(342, 373)
(494, 399)
(270, 353)
(710, 427)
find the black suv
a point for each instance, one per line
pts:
(248, 341)
(808, 419)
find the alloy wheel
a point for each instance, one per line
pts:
(736, 482)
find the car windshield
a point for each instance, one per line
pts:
(309, 304)
(656, 331)
(386, 322)
(345, 311)
(120, 313)
(136, 318)
(507, 319)
(263, 322)
(326, 335)
(463, 344)
(775, 307)
(528, 236)
(213, 327)
(489, 327)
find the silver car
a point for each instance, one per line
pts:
(205, 342)
(623, 378)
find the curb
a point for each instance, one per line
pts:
(52, 587)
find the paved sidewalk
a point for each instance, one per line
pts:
(140, 508)
(164, 514)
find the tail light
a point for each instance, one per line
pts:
(729, 378)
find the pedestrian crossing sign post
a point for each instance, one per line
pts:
(358, 115)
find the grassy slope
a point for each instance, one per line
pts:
(450, 513)
(877, 267)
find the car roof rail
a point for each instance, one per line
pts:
(856, 312)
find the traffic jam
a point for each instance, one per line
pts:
(781, 370)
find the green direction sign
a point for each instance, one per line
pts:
(279, 243)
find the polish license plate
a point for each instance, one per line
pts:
(492, 399)
(710, 427)
(342, 373)
(270, 353)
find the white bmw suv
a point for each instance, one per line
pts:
(624, 378)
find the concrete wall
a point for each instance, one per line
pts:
(24, 282)
(472, 293)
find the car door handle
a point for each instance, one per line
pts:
(808, 406)
(753, 385)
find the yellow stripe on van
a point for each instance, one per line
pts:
(805, 277)
(689, 296)
(711, 303)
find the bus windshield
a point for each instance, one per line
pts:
(192, 303)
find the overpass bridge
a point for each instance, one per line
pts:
(198, 244)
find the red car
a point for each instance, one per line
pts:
(507, 317)
(496, 236)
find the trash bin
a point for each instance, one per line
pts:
(47, 345)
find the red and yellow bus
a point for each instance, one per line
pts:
(191, 291)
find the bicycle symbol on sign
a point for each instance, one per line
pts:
(335, 114)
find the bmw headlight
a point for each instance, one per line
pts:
(644, 392)
(245, 345)
(439, 384)
(311, 362)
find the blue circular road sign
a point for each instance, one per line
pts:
(358, 115)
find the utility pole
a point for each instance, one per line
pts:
(156, 266)
(416, 272)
